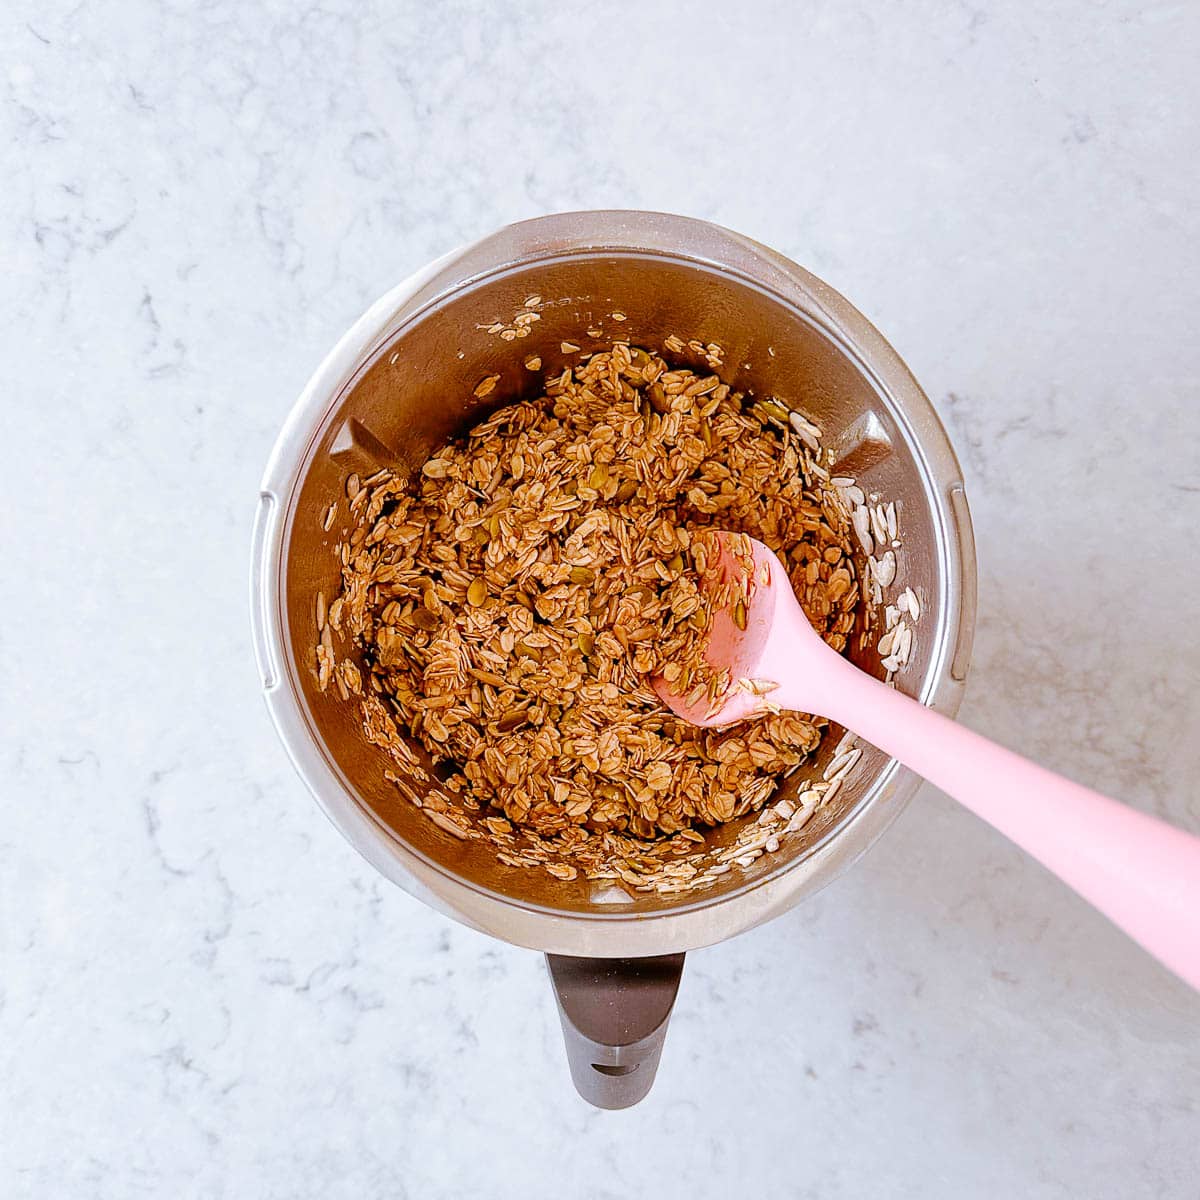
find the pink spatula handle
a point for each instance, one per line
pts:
(1142, 873)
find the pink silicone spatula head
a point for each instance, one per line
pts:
(771, 653)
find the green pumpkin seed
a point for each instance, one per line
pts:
(422, 618)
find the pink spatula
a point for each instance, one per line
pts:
(1143, 874)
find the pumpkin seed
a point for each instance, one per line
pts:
(477, 593)
(582, 575)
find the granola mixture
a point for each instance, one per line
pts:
(511, 604)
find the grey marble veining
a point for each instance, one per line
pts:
(203, 991)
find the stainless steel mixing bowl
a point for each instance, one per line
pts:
(401, 381)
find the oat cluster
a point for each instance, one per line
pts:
(511, 603)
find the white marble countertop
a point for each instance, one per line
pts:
(203, 991)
